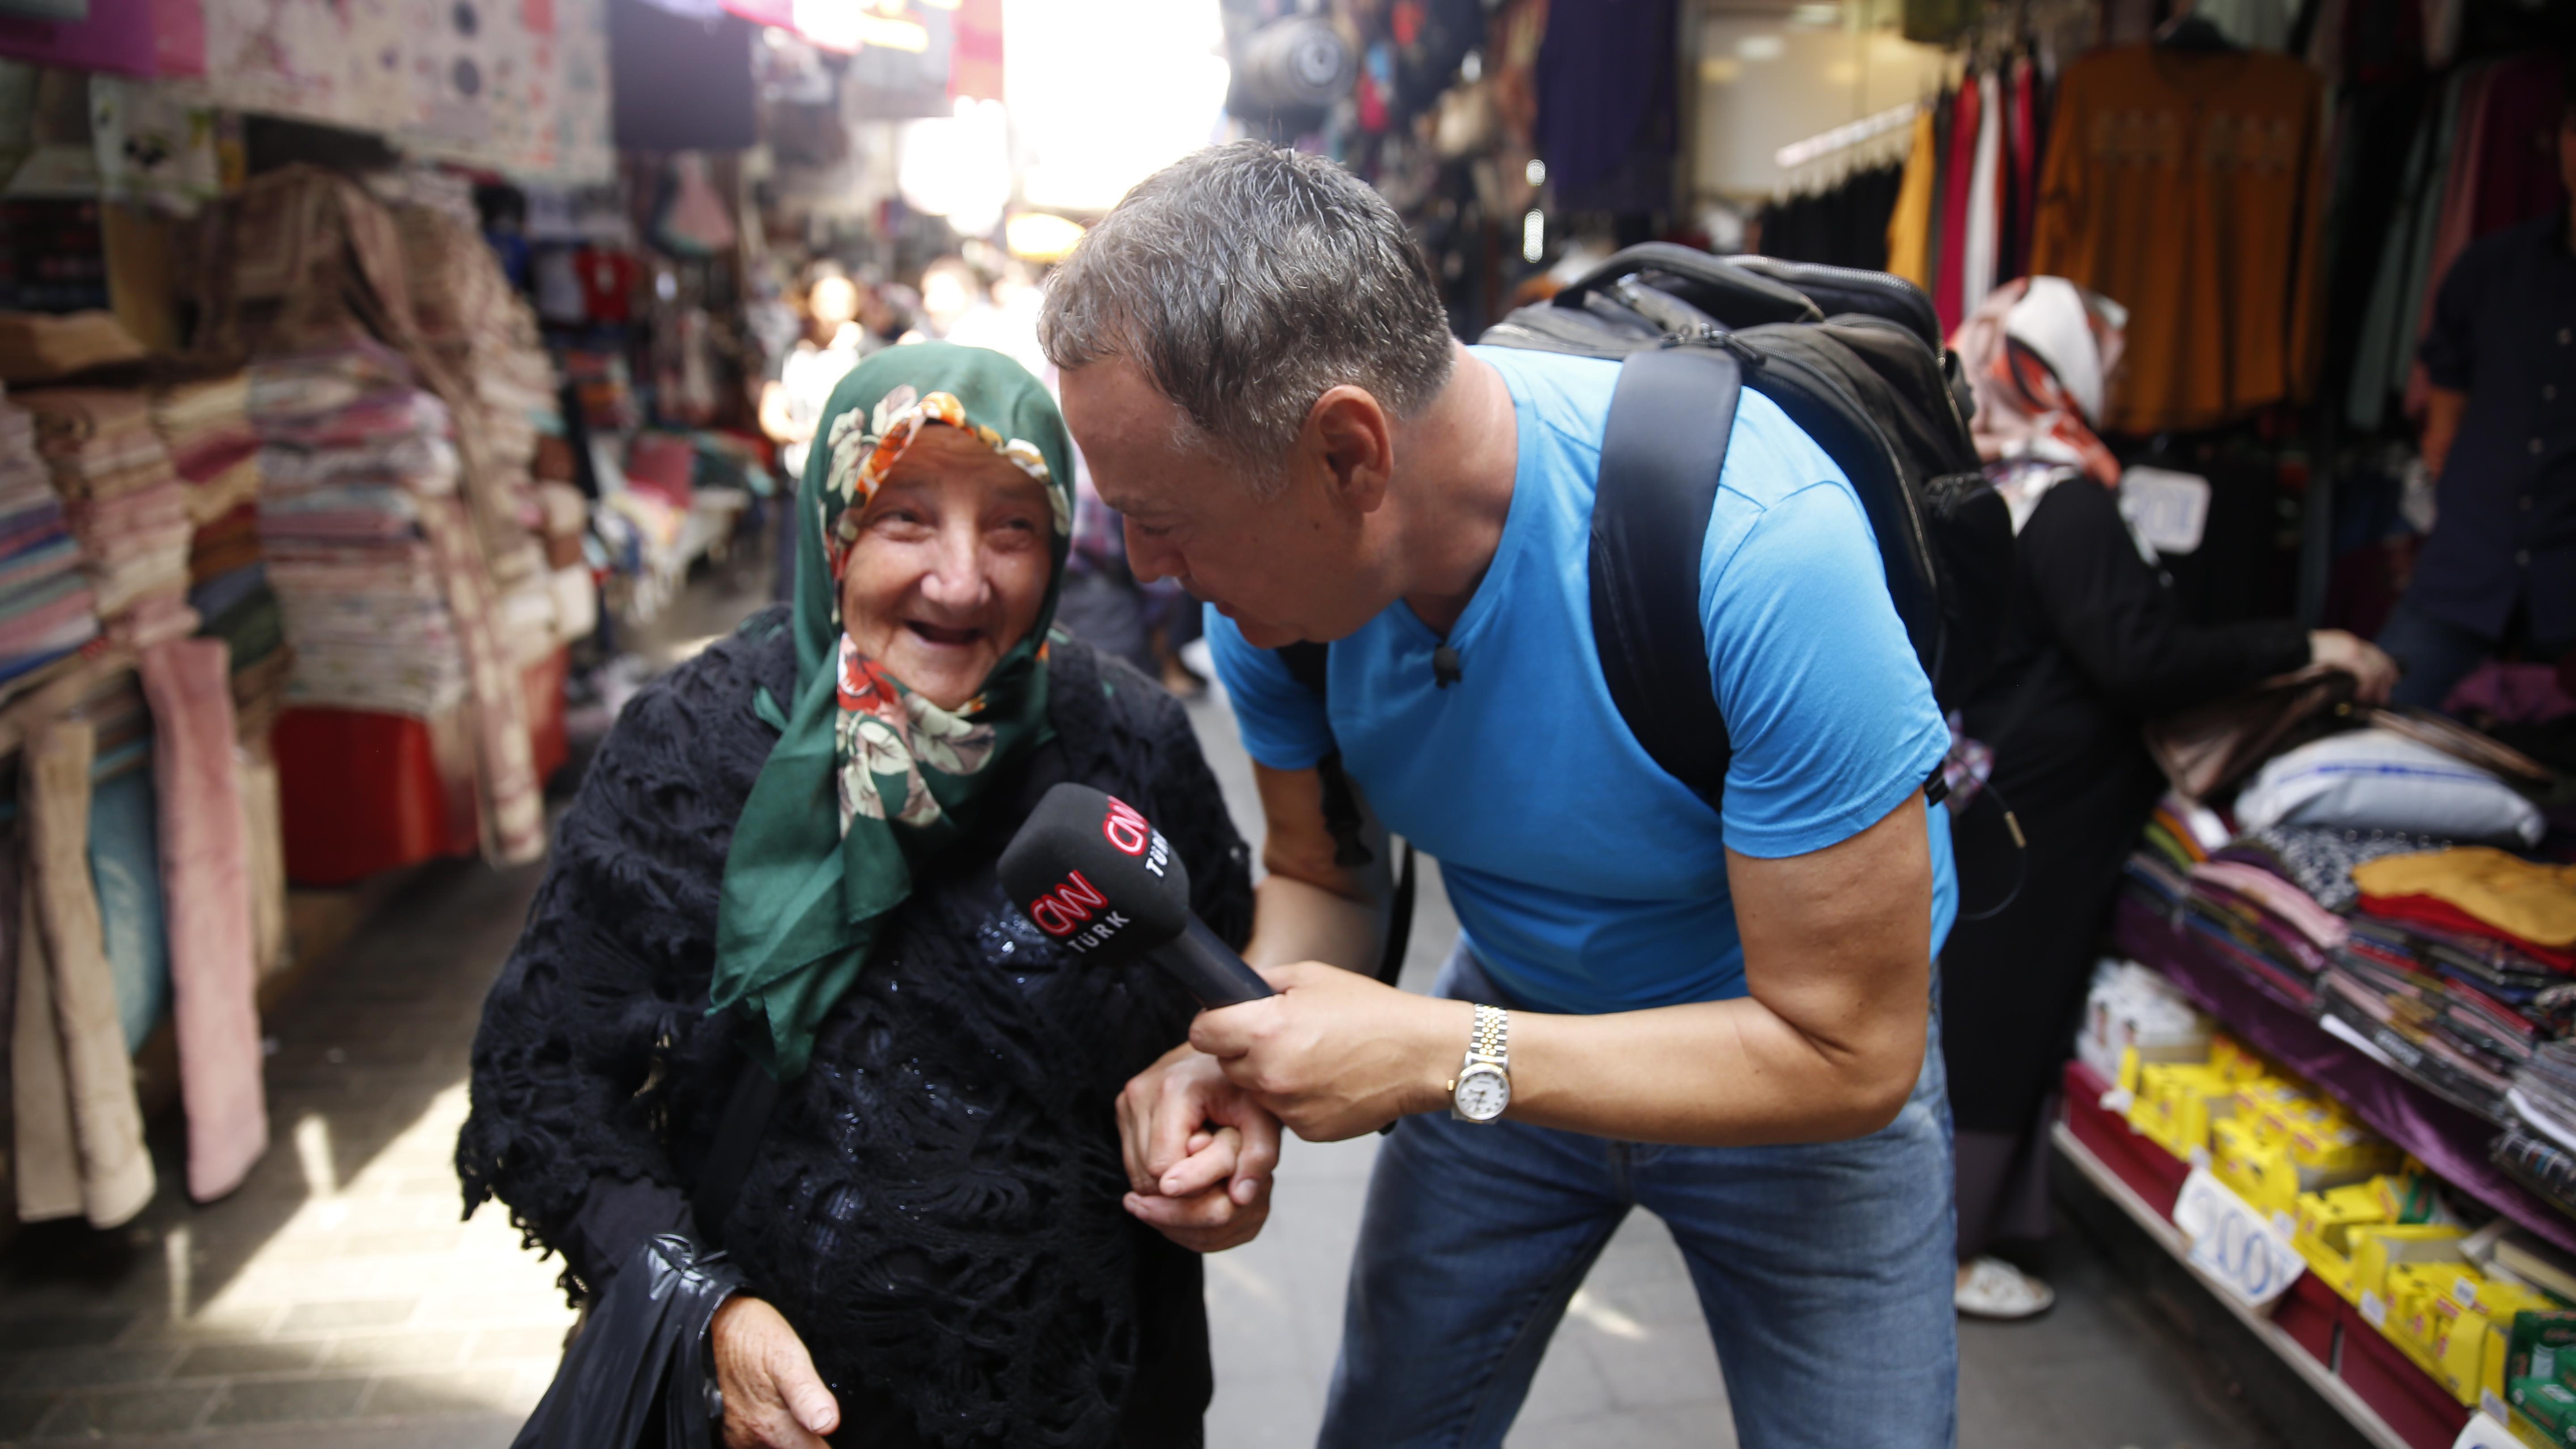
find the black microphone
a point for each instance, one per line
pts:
(1095, 876)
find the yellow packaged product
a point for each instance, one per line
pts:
(2257, 1167)
(2472, 1325)
(2232, 1061)
(2380, 1248)
(2175, 1104)
(2322, 1235)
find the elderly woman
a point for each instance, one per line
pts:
(784, 854)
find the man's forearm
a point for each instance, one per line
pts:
(1293, 920)
(1719, 1074)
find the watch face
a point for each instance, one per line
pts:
(1483, 1093)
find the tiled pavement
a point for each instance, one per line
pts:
(335, 1299)
(335, 1302)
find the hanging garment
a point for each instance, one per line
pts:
(1985, 215)
(263, 819)
(1956, 198)
(1606, 115)
(1945, 120)
(2021, 168)
(2189, 187)
(2517, 160)
(206, 889)
(2366, 402)
(1909, 226)
(79, 1125)
(2421, 276)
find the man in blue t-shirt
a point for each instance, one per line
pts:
(1719, 1016)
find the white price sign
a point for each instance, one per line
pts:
(2233, 1243)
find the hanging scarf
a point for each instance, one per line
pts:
(869, 781)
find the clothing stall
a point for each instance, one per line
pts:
(2329, 1058)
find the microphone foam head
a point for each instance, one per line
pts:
(1092, 873)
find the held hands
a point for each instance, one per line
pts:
(773, 1399)
(1199, 1153)
(2374, 674)
(1335, 1053)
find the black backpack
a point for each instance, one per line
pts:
(1855, 359)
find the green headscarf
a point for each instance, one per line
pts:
(869, 780)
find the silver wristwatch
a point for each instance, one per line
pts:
(1483, 1088)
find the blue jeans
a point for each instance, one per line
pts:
(1825, 1272)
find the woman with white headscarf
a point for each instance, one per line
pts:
(2096, 645)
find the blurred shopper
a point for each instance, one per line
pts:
(801, 381)
(2500, 435)
(952, 296)
(784, 856)
(2097, 645)
(1261, 375)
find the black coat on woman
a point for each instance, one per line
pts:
(2097, 646)
(935, 1205)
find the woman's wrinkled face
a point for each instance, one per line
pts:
(951, 565)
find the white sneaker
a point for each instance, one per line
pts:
(1998, 1290)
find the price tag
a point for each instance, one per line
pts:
(2233, 1243)
(2374, 1310)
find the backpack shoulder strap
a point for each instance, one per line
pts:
(1670, 420)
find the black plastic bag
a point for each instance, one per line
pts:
(638, 1376)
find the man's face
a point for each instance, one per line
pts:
(1284, 568)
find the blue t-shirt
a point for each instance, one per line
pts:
(1586, 878)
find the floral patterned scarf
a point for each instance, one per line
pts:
(869, 781)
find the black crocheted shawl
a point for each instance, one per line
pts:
(936, 1203)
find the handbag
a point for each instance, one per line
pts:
(2205, 750)
(638, 1374)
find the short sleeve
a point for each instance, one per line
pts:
(1282, 722)
(1832, 721)
(2450, 346)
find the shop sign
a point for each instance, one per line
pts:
(2242, 1249)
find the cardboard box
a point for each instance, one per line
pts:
(2470, 1333)
(2380, 1247)
(2546, 1406)
(2323, 1228)
(2175, 1104)
(2258, 1168)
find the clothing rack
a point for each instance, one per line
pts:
(1799, 153)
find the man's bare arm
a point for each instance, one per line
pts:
(1837, 956)
(1310, 908)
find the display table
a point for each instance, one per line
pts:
(2323, 1339)
(361, 793)
(2443, 1135)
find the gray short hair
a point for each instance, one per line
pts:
(1245, 280)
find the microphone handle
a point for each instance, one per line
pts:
(1208, 968)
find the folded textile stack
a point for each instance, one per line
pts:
(352, 453)
(206, 427)
(2257, 921)
(475, 322)
(46, 610)
(2544, 1096)
(124, 504)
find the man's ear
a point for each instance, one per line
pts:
(1349, 431)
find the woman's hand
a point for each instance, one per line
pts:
(2374, 674)
(1199, 1153)
(773, 1399)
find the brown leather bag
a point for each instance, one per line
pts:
(2207, 750)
